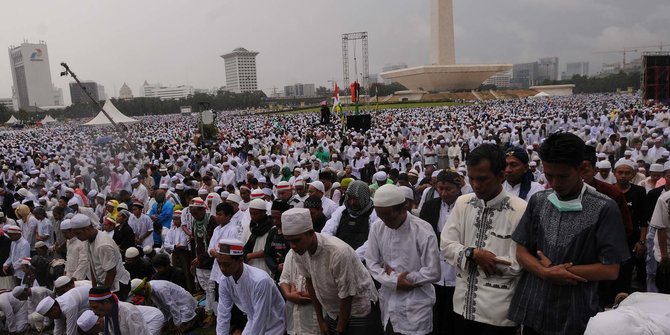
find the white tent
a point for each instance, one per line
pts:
(12, 120)
(541, 94)
(113, 112)
(48, 119)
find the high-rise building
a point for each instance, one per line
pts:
(241, 70)
(31, 76)
(125, 92)
(165, 92)
(575, 69)
(299, 90)
(548, 69)
(8, 103)
(501, 80)
(78, 96)
(525, 74)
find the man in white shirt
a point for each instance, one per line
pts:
(477, 241)
(339, 285)
(104, 257)
(177, 305)
(403, 257)
(250, 289)
(518, 179)
(140, 192)
(19, 249)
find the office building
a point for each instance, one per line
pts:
(241, 70)
(525, 74)
(8, 103)
(31, 76)
(78, 96)
(165, 92)
(548, 69)
(500, 80)
(575, 69)
(299, 90)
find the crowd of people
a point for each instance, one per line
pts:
(517, 216)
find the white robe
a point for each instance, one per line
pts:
(130, 320)
(410, 248)
(18, 250)
(473, 223)
(153, 318)
(72, 304)
(76, 264)
(175, 302)
(300, 319)
(16, 314)
(255, 294)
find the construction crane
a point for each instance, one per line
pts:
(626, 50)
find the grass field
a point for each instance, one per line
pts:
(373, 106)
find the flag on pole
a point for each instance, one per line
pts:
(336, 101)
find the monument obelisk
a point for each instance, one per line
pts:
(443, 74)
(442, 50)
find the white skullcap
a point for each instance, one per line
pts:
(601, 155)
(17, 291)
(2, 214)
(225, 194)
(92, 193)
(23, 192)
(626, 162)
(409, 194)
(234, 198)
(134, 181)
(666, 166)
(202, 191)
(16, 205)
(40, 244)
(135, 283)
(132, 252)
(45, 305)
(319, 186)
(179, 187)
(79, 221)
(380, 176)
(87, 320)
(388, 195)
(163, 186)
(258, 204)
(296, 221)
(644, 148)
(65, 224)
(604, 164)
(627, 153)
(656, 167)
(267, 191)
(62, 281)
(147, 250)
(230, 246)
(73, 201)
(532, 164)
(435, 174)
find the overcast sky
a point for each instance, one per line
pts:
(180, 42)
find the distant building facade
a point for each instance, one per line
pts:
(299, 90)
(165, 92)
(8, 103)
(31, 76)
(500, 80)
(241, 70)
(77, 94)
(534, 73)
(575, 69)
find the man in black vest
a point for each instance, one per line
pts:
(436, 211)
(351, 222)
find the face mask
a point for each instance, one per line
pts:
(574, 205)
